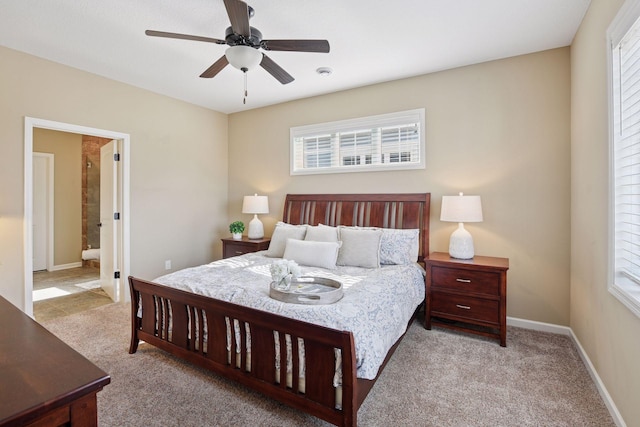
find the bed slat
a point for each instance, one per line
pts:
(216, 338)
(180, 329)
(263, 343)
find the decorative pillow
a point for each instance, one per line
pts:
(399, 246)
(280, 235)
(312, 254)
(321, 233)
(360, 247)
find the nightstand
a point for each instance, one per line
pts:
(467, 295)
(231, 247)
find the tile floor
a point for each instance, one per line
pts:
(63, 292)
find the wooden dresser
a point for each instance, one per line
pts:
(468, 295)
(231, 247)
(43, 381)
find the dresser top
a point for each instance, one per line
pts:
(38, 371)
(479, 261)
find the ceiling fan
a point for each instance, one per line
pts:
(244, 43)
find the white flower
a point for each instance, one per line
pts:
(284, 270)
(294, 269)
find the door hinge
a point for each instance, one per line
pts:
(116, 157)
(116, 275)
(116, 215)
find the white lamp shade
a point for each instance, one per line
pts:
(243, 58)
(255, 204)
(461, 209)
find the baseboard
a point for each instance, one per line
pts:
(66, 266)
(538, 326)
(608, 401)
(565, 330)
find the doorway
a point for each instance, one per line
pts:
(118, 242)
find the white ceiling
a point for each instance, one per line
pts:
(371, 41)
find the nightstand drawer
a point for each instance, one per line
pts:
(232, 247)
(465, 307)
(235, 250)
(480, 282)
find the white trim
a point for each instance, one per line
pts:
(66, 266)
(50, 204)
(604, 393)
(624, 19)
(565, 330)
(626, 293)
(356, 124)
(27, 230)
(29, 124)
(538, 326)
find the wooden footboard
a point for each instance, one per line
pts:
(214, 334)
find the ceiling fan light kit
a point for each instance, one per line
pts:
(244, 43)
(243, 58)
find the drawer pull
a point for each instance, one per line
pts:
(463, 280)
(239, 252)
(466, 307)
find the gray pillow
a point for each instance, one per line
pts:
(360, 248)
(280, 235)
(321, 233)
(312, 254)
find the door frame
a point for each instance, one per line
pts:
(50, 158)
(29, 124)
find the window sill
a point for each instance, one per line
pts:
(627, 294)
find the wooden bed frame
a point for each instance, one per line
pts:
(170, 317)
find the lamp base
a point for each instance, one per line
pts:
(461, 243)
(256, 229)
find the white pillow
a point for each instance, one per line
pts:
(360, 247)
(312, 254)
(280, 235)
(399, 246)
(321, 233)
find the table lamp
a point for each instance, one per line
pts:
(461, 209)
(255, 205)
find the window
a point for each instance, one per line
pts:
(624, 121)
(351, 160)
(317, 152)
(385, 142)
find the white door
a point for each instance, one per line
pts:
(109, 228)
(42, 165)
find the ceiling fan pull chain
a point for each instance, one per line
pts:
(244, 100)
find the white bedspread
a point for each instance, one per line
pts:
(376, 306)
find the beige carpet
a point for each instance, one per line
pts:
(435, 378)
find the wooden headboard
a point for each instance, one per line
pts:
(403, 210)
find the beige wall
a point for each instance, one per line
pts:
(178, 163)
(607, 330)
(67, 194)
(498, 129)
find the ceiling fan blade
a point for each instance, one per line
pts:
(275, 70)
(238, 12)
(321, 46)
(215, 68)
(154, 33)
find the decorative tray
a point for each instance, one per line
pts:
(309, 290)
